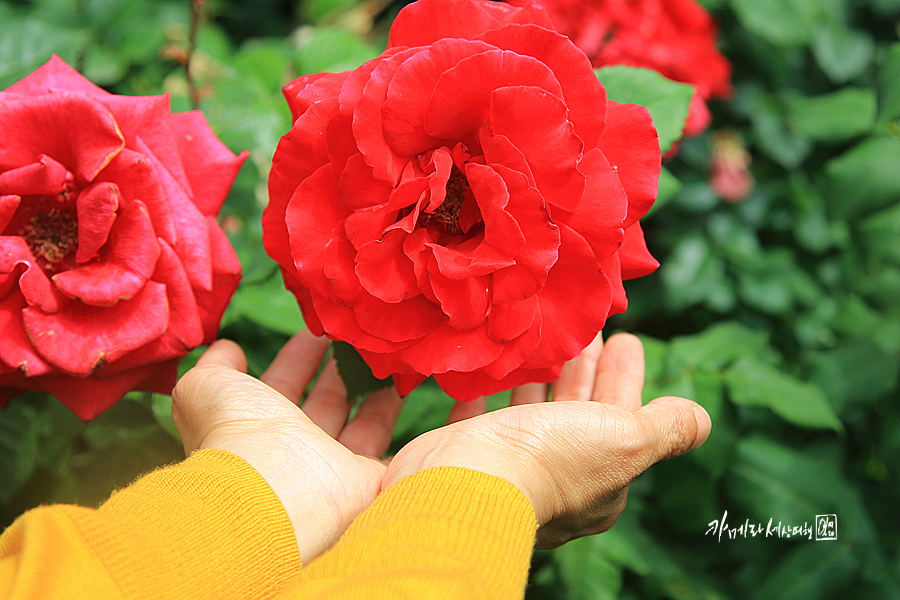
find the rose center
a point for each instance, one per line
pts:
(52, 236)
(447, 214)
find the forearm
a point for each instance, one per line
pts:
(442, 533)
(207, 527)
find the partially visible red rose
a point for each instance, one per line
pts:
(112, 265)
(676, 38)
(465, 205)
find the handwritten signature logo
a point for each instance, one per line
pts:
(825, 529)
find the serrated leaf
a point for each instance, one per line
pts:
(355, 373)
(752, 383)
(717, 346)
(667, 100)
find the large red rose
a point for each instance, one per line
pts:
(112, 265)
(465, 205)
(677, 38)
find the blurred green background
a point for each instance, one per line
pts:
(779, 313)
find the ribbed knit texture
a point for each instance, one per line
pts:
(445, 533)
(209, 527)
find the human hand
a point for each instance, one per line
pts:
(572, 460)
(324, 468)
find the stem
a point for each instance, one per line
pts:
(196, 10)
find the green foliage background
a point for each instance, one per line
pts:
(779, 314)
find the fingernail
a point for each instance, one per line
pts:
(704, 425)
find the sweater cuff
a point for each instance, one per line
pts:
(464, 528)
(211, 522)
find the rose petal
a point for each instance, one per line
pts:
(8, 207)
(96, 206)
(130, 263)
(90, 397)
(358, 187)
(225, 278)
(368, 128)
(31, 128)
(46, 177)
(397, 322)
(307, 90)
(16, 350)
(469, 386)
(566, 332)
(209, 165)
(510, 320)
(447, 349)
(385, 271)
(584, 95)
(150, 118)
(631, 145)
(410, 91)
(191, 239)
(462, 96)
(20, 267)
(636, 259)
(54, 74)
(426, 21)
(535, 122)
(81, 339)
(184, 331)
(137, 179)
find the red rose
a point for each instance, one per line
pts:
(676, 38)
(466, 204)
(112, 266)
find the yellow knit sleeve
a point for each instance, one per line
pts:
(209, 527)
(445, 533)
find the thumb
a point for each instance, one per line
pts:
(676, 425)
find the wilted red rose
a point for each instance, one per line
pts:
(112, 266)
(465, 205)
(676, 38)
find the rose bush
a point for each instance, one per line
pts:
(676, 38)
(112, 265)
(465, 205)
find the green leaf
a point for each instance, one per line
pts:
(329, 49)
(588, 574)
(355, 373)
(18, 447)
(857, 372)
(889, 86)
(844, 114)
(717, 346)
(864, 178)
(267, 304)
(784, 23)
(667, 100)
(693, 274)
(843, 53)
(26, 44)
(752, 383)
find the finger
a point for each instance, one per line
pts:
(466, 410)
(576, 381)
(530, 393)
(675, 426)
(295, 365)
(327, 405)
(620, 378)
(369, 432)
(224, 353)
